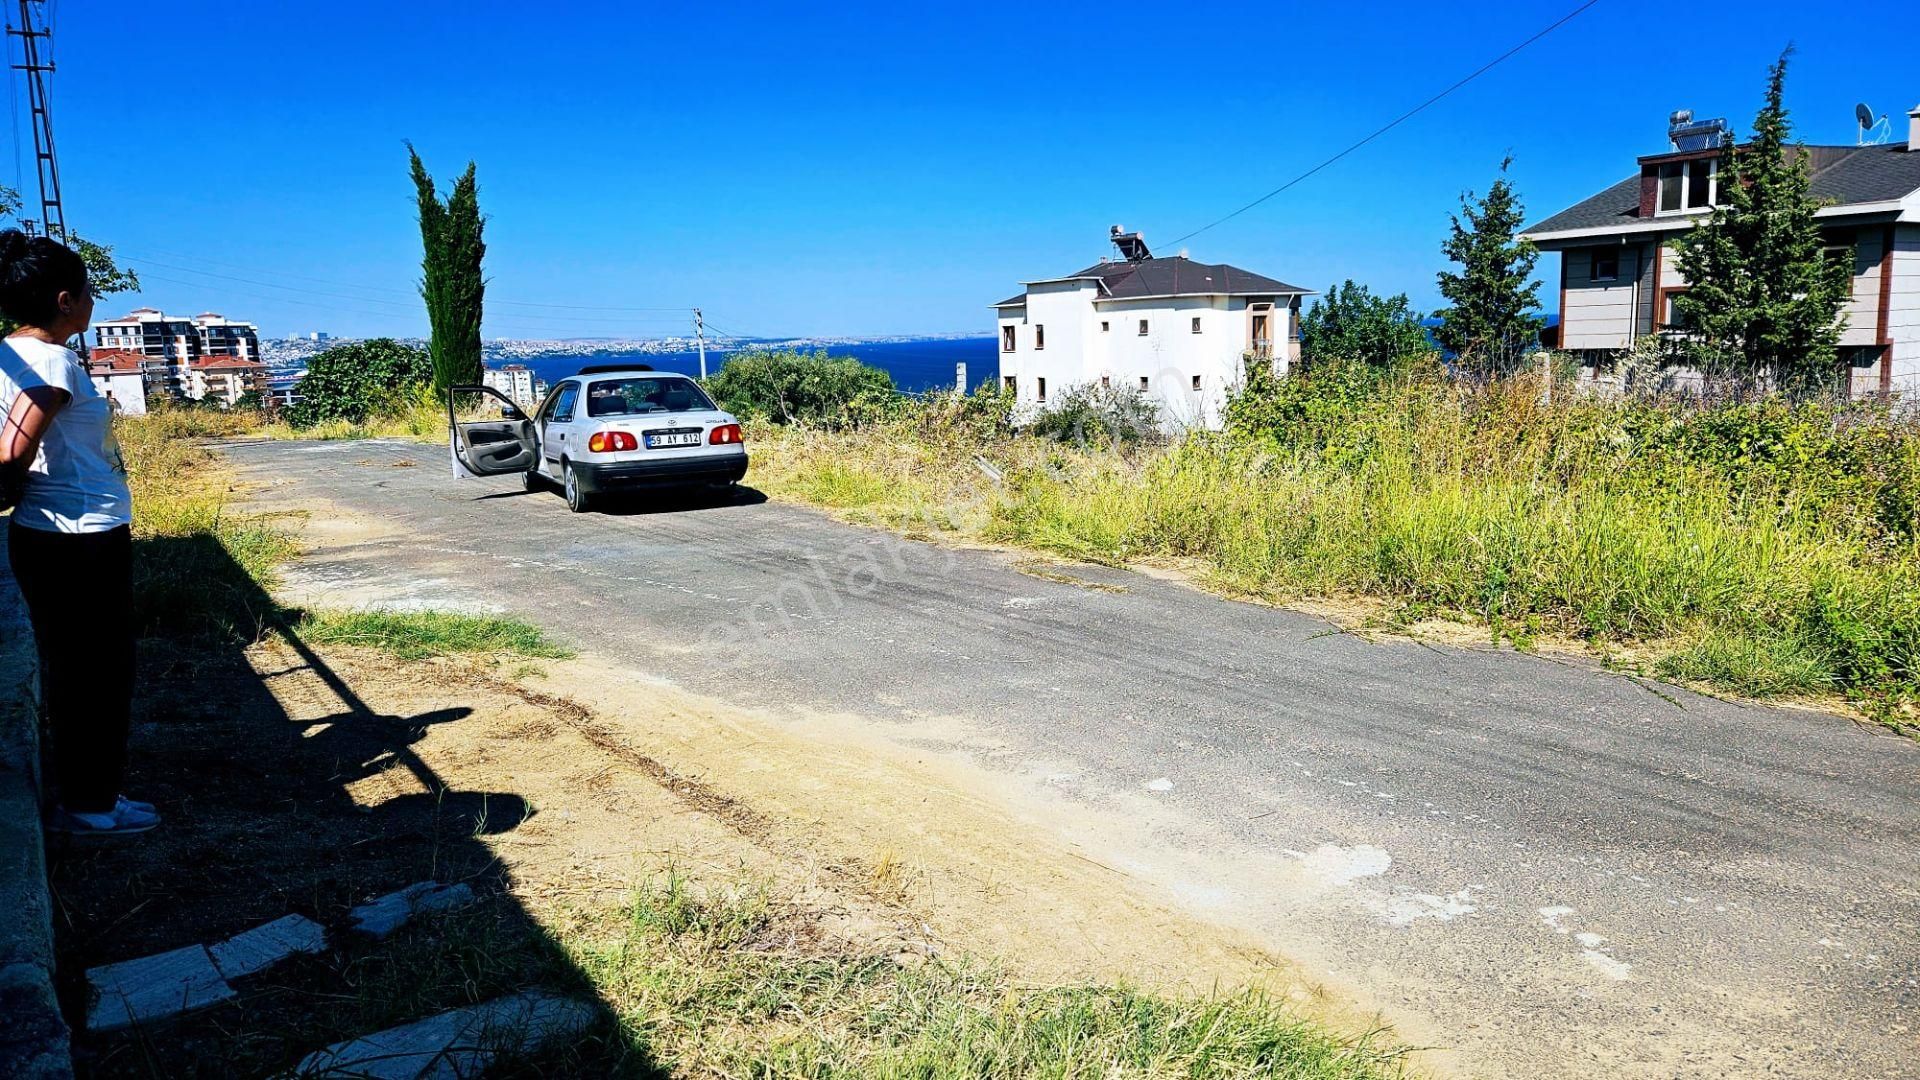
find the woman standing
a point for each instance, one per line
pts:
(70, 541)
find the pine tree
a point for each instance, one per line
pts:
(1494, 319)
(1763, 300)
(451, 281)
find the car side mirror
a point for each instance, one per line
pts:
(508, 412)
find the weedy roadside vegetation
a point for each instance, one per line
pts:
(733, 982)
(1763, 546)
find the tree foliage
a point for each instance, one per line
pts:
(1763, 301)
(1493, 318)
(787, 386)
(451, 280)
(103, 274)
(354, 380)
(1350, 323)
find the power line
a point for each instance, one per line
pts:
(385, 289)
(1396, 122)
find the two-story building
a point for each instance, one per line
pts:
(1177, 330)
(1618, 272)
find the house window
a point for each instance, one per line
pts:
(1688, 185)
(1841, 253)
(1012, 386)
(1040, 389)
(1143, 383)
(1196, 324)
(1670, 315)
(1103, 326)
(1196, 382)
(1105, 381)
(1039, 337)
(1606, 266)
(1006, 339)
(1143, 328)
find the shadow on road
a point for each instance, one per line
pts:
(678, 500)
(269, 815)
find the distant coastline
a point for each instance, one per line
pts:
(916, 362)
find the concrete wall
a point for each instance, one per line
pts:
(34, 1041)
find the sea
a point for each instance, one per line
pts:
(916, 366)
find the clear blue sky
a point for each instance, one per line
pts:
(852, 169)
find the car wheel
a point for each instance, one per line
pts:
(577, 498)
(533, 480)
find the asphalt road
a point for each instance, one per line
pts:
(1555, 871)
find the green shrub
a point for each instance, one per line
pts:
(787, 386)
(352, 381)
(1098, 414)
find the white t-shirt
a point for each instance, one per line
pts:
(78, 483)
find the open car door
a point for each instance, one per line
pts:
(490, 447)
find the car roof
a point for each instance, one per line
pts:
(625, 369)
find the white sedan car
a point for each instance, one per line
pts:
(612, 427)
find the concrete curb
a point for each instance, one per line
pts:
(34, 1041)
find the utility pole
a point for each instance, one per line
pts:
(699, 337)
(53, 218)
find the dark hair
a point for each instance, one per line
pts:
(34, 271)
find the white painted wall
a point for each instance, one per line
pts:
(128, 389)
(1170, 355)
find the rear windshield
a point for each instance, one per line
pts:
(644, 394)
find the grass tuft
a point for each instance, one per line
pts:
(415, 635)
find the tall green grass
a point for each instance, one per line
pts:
(1764, 547)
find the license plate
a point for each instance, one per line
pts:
(691, 438)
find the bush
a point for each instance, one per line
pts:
(787, 386)
(353, 381)
(1098, 413)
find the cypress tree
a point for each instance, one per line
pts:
(1763, 301)
(451, 281)
(1494, 319)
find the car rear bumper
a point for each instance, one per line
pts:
(625, 475)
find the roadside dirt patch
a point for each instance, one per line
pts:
(303, 781)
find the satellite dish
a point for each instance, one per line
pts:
(1873, 130)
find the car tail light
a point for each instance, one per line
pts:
(601, 442)
(725, 433)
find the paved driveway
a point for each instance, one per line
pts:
(1558, 872)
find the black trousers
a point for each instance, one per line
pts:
(79, 593)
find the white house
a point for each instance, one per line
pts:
(118, 375)
(1178, 330)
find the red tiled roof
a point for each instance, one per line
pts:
(114, 360)
(206, 363)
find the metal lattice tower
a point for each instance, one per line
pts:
(32, 30)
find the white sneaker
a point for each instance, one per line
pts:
(143, 807)
(123, 820)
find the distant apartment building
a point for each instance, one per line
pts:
(1176, 331)
(168, 345)
(516, 381)
(118, 375)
